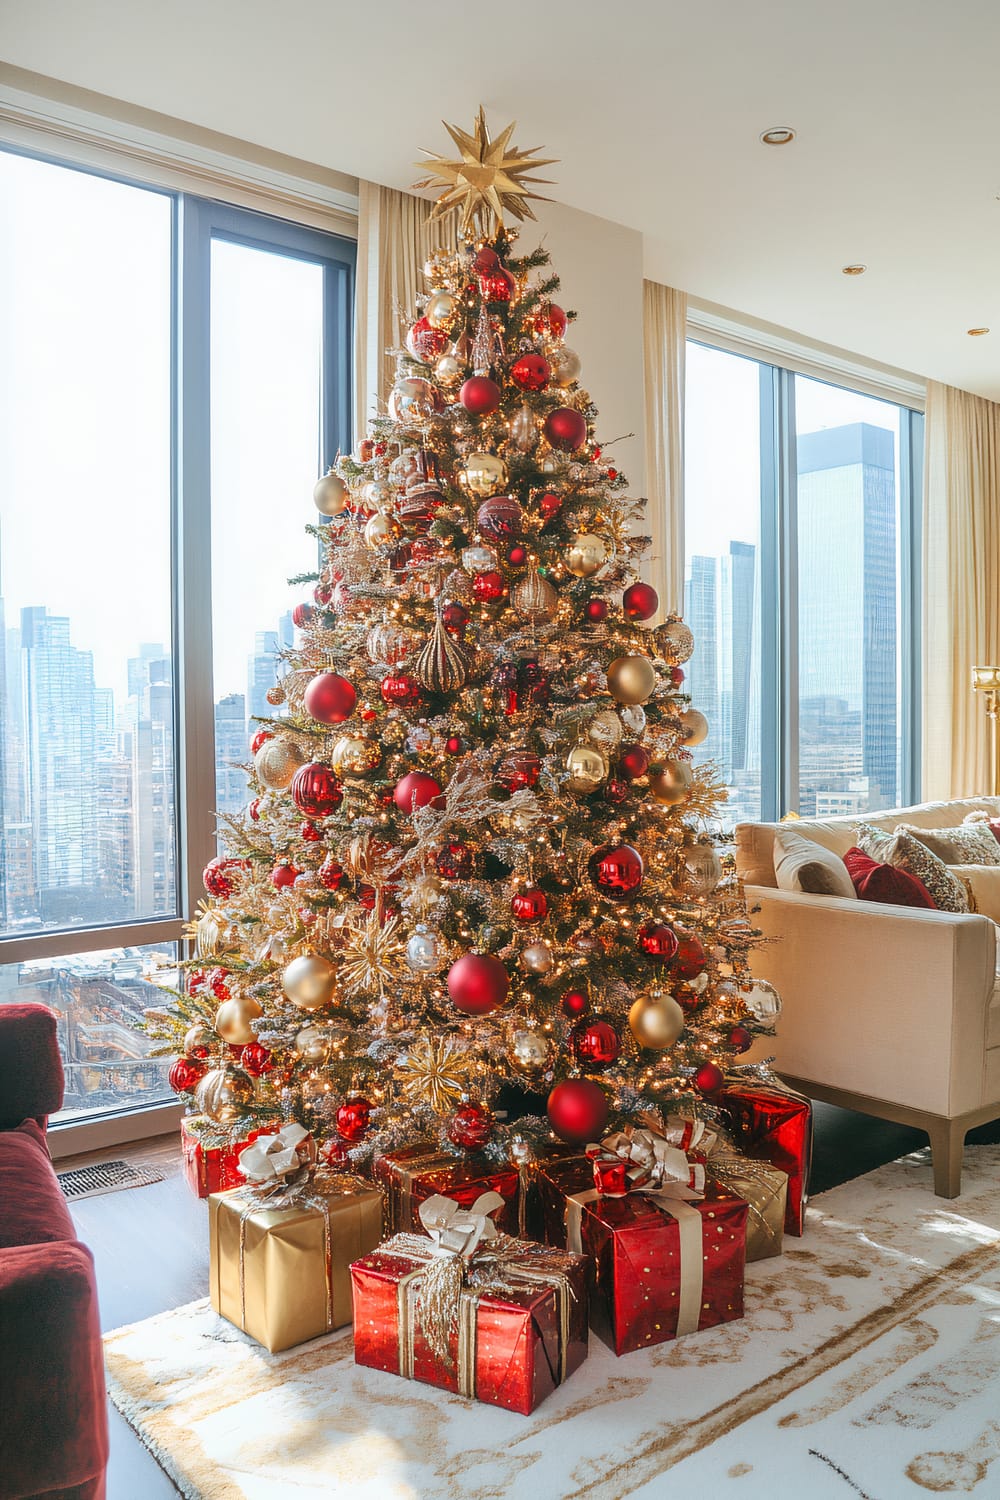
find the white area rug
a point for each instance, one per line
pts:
(867, 1366)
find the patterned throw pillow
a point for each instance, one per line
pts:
(984, 820)
(885, 883)
(901, 849)
(969, 844)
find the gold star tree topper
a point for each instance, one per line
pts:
(486, 179)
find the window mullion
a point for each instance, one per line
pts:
(770, 600)
(788, 595)
(910, 533)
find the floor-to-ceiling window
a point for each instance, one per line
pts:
(173, 373)
(801, 539)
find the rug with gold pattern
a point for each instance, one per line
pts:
(866, 1366)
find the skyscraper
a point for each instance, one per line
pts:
(231, 752)
(261, 667)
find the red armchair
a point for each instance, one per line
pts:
(52, 1403)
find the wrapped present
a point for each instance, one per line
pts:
(211, 1157)
(470, 1309)
(280, 1247)
(771, 1122)
(763, 1188)
(415, 1173)
(668, 1244)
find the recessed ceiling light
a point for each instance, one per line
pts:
(855, 270)
(778, 135)
(976, 333)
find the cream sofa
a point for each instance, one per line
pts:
(886, 1009)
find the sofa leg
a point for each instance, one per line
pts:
(947, 1138)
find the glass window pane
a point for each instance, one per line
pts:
(97, 998)
(847, 451)
(86, 703)
(267, 345)
(722, 579)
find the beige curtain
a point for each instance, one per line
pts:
(664, 316)
(394, 240)
(961, 594)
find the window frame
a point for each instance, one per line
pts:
(778, 623)
(195, 223)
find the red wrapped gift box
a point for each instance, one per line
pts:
(770, 1122)
(511, 1346)
(211, 1165)
(414, 1174)
(660, 1271)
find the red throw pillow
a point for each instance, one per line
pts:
(884, 883)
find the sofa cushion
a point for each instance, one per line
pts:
(968, 844)
(885, 883)
(948, 891)
(31, 1075)
(800, 864)
(34, 1210)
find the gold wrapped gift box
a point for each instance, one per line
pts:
(283, 1274)
(765, 1189)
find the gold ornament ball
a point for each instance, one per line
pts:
(353, 755)
(441, 309)
(631, 679)
(313, 1044)
(677, 640)
(330, 495)
(565, 366)
(222, 1095)
(197, 1038)
(276, 762)
(670, 783)
(704, 867)
(411, 400)
(656, 1021)
(587, 769)
(534, 598)
(309, 981)
(234, 1020)
(380, 530)
(483, 475)
(529, 1052)
(695, 726)
(586, 555)
(605, 728)
(275, 695)
(537, 958)
(524, 429)
(448, 370)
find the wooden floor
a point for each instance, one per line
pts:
(150, 1246)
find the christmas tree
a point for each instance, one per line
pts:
(472, 882)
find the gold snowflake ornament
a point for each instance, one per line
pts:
(372, 957)
(487, 177)
(433, 1072)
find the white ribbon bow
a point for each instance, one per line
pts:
(658, 1168)
(273, 1156)
(459, 1231)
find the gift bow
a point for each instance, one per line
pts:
(639, 1161)
(459, 1231)
(273, 1157)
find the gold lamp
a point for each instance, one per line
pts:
(986, 680)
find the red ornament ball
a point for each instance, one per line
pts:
(330, 873)
(578, 1110)
(517, 555)
(218, 985)
(500, 517)
(566, 429)
(690, 957)
(549, 321)
(640, 601)
(415, 789)
(634, 761)
(260, 738)
(316, 790)
(531, 372)
(353, 1118)
(322, 594)
(284, 875)
(488, 587)
(740, 1039)
(454, 744)
(658, 941)
(595, 610)
(485, 260)
(330, 698)
(309, 833)
(709, 1078)
(471, 1126)
(676, 676)
(616, 870)
(455, 617)
(401, 689)
(257, 1059)
(575, 1003)
(426, 342)
(478, 983)
(303, 615)
(550, 505)
(497, 285)
(531, 905)
(185, 1074)
(456, 862)
(520, 769)
(595, 1043)
(254, 810)
(480, 395)
(221, 876)
(616, 792)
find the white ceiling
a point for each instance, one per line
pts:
(654, 108)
